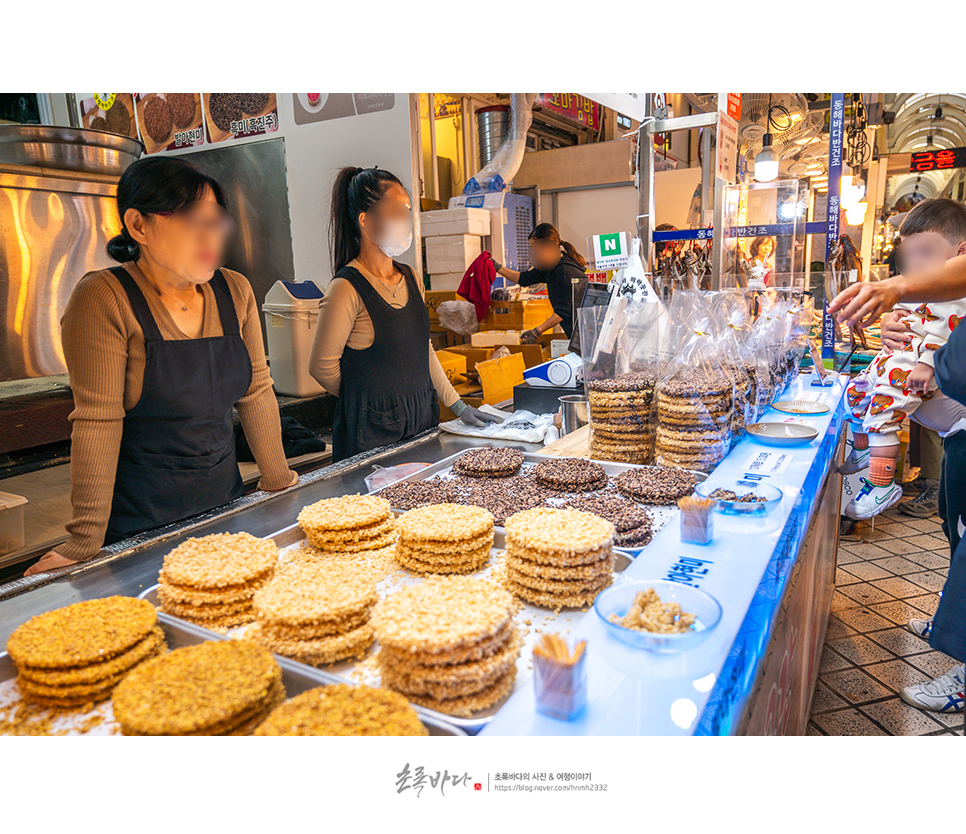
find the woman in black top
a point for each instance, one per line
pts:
(558, 265)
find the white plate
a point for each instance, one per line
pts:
(782, 434)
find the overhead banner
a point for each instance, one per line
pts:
(726, 155)
(630, 104)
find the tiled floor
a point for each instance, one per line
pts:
(885, 575)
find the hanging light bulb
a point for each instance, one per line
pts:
(855, 215)
(766, 161)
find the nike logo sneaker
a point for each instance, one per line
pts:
(872, 500)
(857, 460)
(944, 694)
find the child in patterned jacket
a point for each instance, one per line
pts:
(896, 384)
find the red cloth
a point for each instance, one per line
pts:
(476, 284)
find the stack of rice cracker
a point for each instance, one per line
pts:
(212, 580)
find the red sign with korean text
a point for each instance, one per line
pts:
(938, 160)
(575, 107)
(734, 106)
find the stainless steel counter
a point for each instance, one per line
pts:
(132, 566)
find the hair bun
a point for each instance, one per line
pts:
(122, 248)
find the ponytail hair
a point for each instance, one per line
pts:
(157, 185)
(354, 192)
(546, 231)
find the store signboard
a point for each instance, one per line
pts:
(631, 104)
(938, 160)
(836, 130)
(577, 108)
(611, 251)
(726, 164)
(734, 106)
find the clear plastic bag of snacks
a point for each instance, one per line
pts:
(619, 377)
(695, 396)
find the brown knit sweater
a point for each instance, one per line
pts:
(104, 351)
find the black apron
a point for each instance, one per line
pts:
(386, 393)
(177, 456)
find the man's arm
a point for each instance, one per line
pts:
(863, 303)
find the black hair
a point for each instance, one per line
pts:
(757, 243)
(941, 215)
(354, 193)
(546, 231)
(661, 246)
(153, 185)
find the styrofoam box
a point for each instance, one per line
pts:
(11, 522)
(452, 253)
(446, 282)
(458, 221)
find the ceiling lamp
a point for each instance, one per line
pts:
(766, 161)
(855, 215)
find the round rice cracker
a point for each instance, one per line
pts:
(543, 599)
(320, 651)
(346, 512)
(64, 693)
(442, 614)
(96, 672)
(603, 567)
(482, 672)
(221, 560)
(212, 611)
(311, 593)
(430, 559)
(558, 532)
(344, 710)
(564, 587)
(558, 560)
(638, 537)
(222, 624)
(465, 707)
(499, 462)
(183, 595)
(437, 523)
(315, 631)
(371, 531)
(196, 688)
(96, 692)
(243, 723)
(86, 632)
(470, 654)
(430, 548)
(349, 546)
(67, 704)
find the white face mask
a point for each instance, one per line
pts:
(396, 239)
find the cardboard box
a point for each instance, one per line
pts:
(532, 354)
(454, 365)
(499, 376)
(579, 165)
(443, 339)
(447, 281)
(455, 221)
(494, 338)
(453, 253)
(434, 298)
(517, 315)
(472, 354)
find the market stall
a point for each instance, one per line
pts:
(771, 575)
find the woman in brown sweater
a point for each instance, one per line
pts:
(159, 350)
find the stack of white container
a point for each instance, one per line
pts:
(453, 239)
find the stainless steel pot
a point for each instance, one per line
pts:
(67, 149)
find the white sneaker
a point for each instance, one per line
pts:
(872, 500)
(857, 460)
(945, 694)
(920, 627)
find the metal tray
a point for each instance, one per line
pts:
(660, 515)
(292, 537)
(297, 677)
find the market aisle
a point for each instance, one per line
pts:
(884, 577)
